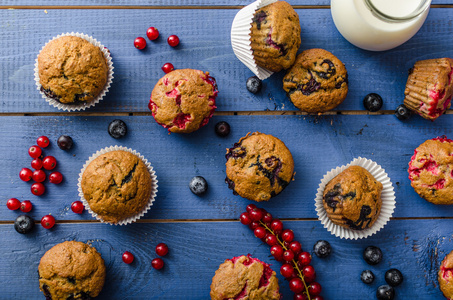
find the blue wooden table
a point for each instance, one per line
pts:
(202, 232)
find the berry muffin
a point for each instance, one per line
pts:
(317, 82)
(431, 170)
(429, 87)
(445, 276)
(352, 199)
(275, 36)
(184, 100)
(72, 70)
(116, 185)
(71, 270)
(258, 167)
(244, 277)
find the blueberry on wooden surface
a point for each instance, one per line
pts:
(254, 84)
(402, 112)
(322, 249)
(367, 277)
(372, 255)
(24, 224)
(222, 128)
(385, 292)
(117, 129)
(65, 142)
(393, 277)
(198, 185)
(372, 102)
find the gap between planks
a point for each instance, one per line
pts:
(167, 7)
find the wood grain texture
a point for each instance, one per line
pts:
(208, 48)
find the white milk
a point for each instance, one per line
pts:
(355, 21)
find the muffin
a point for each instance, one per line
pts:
(275, 36)
(72, 70)
(429, 87)
(244, 277)
(258, 167)
(352, 199)
(71, 270)
(431, 170)
(117, 185)
(317, 82)
(184, 100)
(445, 276)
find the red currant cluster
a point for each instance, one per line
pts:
(296, 264)
(157, 263)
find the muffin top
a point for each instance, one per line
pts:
(71, 270)
(184, 100)
(259, 166)
(116, 185)
(317, 82)
(431, 170)
(352, 199)
(244, 277)
(445, 276)
(275, 36)
(72, 70)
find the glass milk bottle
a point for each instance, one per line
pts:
(378, 25)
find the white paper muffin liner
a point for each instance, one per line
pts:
(240, 37)
(387, 196)
(153, 183)
(82, 106)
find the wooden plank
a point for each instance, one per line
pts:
(206, 48)
(318, 144)
(416, 248)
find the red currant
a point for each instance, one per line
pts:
(37, 189)
(167, 68)
(128, 257)
(161, 249)
(152, 33)
(36, 164)
(76, 206)
(250, 207)
(309, 273)
(39, 176)
(288, 235)
(288, 255)
(140, 43)
(287, 271)
(277, 226)
(296, 285)
(34, 151)
(304, 259)
(300, 297)
(48, 221)
(25, 174)
(157, 263)
(55, 177)
(317, 298)
(49, 162)
(271, 240)
(13, 204)
(295, 246)
(256, 214)
(314, 289)
(277, 252)
(245, 219)
(26, 206)
(260, 232)
(173, 40)
(43, 141)
(267, 218)
(254, 225)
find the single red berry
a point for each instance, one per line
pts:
(288, 235)
(128, 257)
(36, 164)
(300, 297)
(288, 255)
(295, 246)
(314, 289)
(260, 232)
(43, 141)
(55, 177)
(167, 68)
(317, 298)
(250, 207)
(157, 263)
(254, 225)
(287, 271)
(309, 273)
(304, 259)
(277, 226)
(256, 214)
(277, 252)
(173, 40)
(49, 162)
(25, 174)
(76, 206)
(296, 285)
(48, 221)
(245, 219)
(271, 239)
(152, 33)
(267, 218)
(161, 249)
(140, 43)
(37, 189)
(39, 176)
(34, 151)
(13, 204)
(26, 206)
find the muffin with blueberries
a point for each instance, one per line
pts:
(71, 270)
(184, 100)
(245, 277)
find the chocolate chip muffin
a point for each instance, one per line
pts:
(244, 277)
(116, 185)
(258, 167)
(71, 270)
(431, 170)
(184, 100)
(317, 82)
(352, 199)
(72, 70)
(275, 36)
(445, 276)
(429, 87)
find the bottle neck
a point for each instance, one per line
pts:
(377, 11)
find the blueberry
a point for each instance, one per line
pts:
(367, 277)
(402, 112)
(322, 249)
(393, 277)
(254, 84)
(24, 224)
(372, 102)
(222, 129)
(385, 292)
(372, 255)
(117, 129)
(64, 142)
(198, 185)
